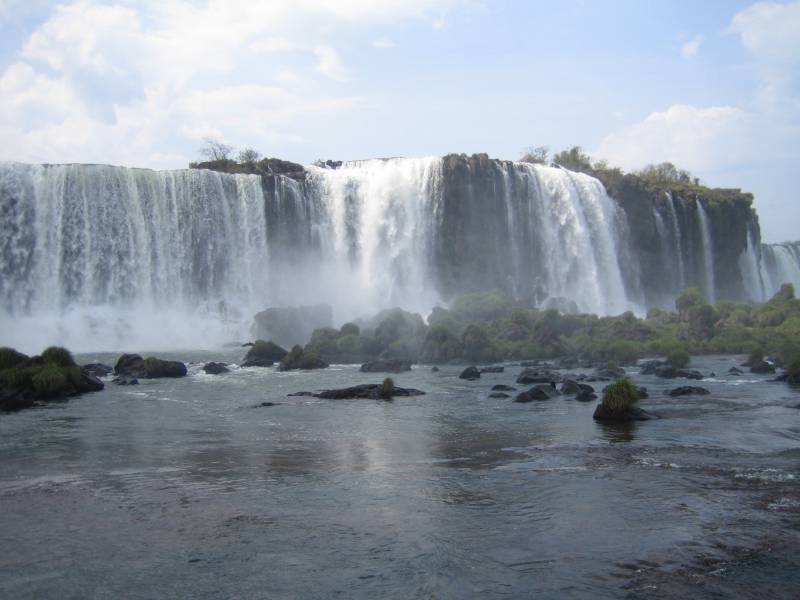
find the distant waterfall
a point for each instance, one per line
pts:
(708, 253)
(99, 257)
(780, 264)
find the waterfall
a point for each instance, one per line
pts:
(749, 262)
(708, 253)
(676, 230)
(780, 264)
(98, 257)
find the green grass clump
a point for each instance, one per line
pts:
(679, 358)
(50, 380)
(151, 365)
(58, 356)
(11, 358)
(620, 396)
(387, 389)
(756, 355)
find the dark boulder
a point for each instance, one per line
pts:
(300, 394)
(609, 372)
(735, 371)
(12, 400)
(688, 390)
(534, 375)
(470, 373)
(386, 365)
(542, 391)
(669, 372)
(88, 382)
(264, 354)
(603, 414)
(649, 367)
(585, 395)
(134, 366)
(98, 369)
(499, 395)
(125, 380)
(267, 404)
(215, 368)
(495, 369)
(570, 387)
(304, 361)
(289, 325)
(500, 387)
(370, 391)
(434, 369)
(762, 367)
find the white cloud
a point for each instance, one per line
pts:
(139, 82)
(691, 137)
(770, 30)
(690, 48)
(329, 64)
(383, 43)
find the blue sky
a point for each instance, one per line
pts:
(711, 86)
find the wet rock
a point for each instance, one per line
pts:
(603, 414)
(12, 400)
(368, 390)
(470, 374)
(264, 354)
(641, 392)
(649, 367)
(688, 390)
(500, 387)
(125, 380)
(542, 391)
(88, 382)
(98, 369)
(535, 375)
(495, 369)
(386, 365)
(301, 394)
(134, 366)
(669, 372)
(297, 359)
(762, 367)
(267, 404)
(434, 369)
(570, 387)
(585, 395)
(215, 368)
(499, 395)
(289, 325)
(609, 372)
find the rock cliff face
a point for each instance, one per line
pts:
(102, 250)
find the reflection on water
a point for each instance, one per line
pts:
(619, 432)
(452, 495)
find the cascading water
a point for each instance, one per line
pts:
(780, 264)
(708, 253)
(98, 257)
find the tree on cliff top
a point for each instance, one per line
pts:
(537, 155)
(214, 149)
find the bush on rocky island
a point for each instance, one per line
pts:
(24, 380)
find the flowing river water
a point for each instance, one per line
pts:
(187, 488)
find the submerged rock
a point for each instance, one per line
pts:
(470, 373)
(125, 380)
(495, 369)
(735, 371)
(215, 368)
(500, 387)
(601, 413)
(533, 375)
(499, 395)
(609, 372)
(585, 396)
(669, 372)
(762, 367)
(434, 369)
(688, 390)
(98, 369)
(370, 391)
(542, 391)
(386, 365)
(301, 394)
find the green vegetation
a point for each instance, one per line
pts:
(793, 372)
(679, 358)
(620, 396)
(53, 374)
(492, 326)
(387, 389)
